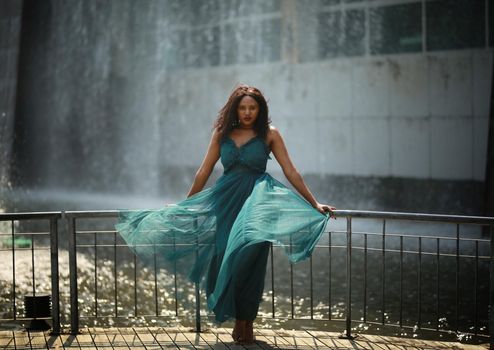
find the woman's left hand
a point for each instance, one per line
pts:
(324, 208)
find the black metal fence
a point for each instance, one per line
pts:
(391, 269)
(21, 242)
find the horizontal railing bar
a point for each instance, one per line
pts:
(276, 246)
(93, 213)
(182, 316)
(415, 236)
(405, 251)
(33, 215)
(142, 245)
(27, 248)
(96, 231)
(481, 220)
(26, 233)
(330, 232)
(83, 232)
(25, 319)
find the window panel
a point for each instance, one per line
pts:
(270, 49)
(230, 44)
(455, 24)
(341, 33)
(204, 49)
(395, 29)
(175, 49)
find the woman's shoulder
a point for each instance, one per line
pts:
(217, 134)
(273, 133)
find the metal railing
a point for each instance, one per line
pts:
(412, 246)
(486, 223)
(9, 241)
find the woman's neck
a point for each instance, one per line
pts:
(245, 127)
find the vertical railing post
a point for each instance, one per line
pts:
(55, 293)
(348, 328)
(491, 291)
(196, 284)
(273, 306)
(14, 306)
(198, 308)
(74, 307)
(457, 279)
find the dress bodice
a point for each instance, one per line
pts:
(251, 156)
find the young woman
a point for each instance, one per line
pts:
(228, 228)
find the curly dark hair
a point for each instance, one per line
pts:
(227, 119)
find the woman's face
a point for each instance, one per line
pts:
(247, 111)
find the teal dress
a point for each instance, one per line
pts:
(220, 237)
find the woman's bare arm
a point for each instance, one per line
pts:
(204, 171)
(281, 154)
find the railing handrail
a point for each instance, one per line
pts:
(368, 214)
(31, 215)
(481, 220)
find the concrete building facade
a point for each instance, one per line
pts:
(383, 104)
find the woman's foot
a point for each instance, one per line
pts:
(238, 330)
(248, 337)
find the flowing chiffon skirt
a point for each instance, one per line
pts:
(220, 237)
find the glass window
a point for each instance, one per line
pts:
(329, 2)
(341, 33)
(270, 49)
(204, 48)
(241, 42)
(329, 34)
(205, 12)
(455, 24)
(176, 11)
(354, 43)
(229, 45)
(396, 28)
(175, 49)
(252, 41)
(236, 8)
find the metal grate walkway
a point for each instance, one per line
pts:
(217, 338)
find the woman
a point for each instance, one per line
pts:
(229, 227)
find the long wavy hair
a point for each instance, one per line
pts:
(227, 119)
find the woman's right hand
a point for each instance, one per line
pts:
(325, 208)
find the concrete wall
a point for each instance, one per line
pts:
(411, 115)
(119, 98)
